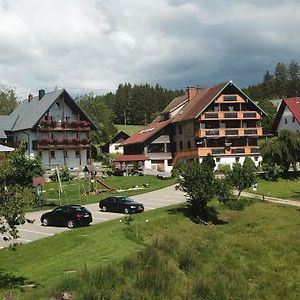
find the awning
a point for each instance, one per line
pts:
(6, 149)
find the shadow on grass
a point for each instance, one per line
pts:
(12, 281)
(207, 216)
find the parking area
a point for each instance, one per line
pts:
(156, 199)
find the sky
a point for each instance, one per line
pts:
(93, 45)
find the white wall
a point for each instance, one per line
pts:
(112, 148)
(230, 160)
(286, 121)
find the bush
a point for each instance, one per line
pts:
(271, 172)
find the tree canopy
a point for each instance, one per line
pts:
(8, 100)
(16, 174)
(283, 150)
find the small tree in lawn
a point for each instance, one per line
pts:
(242, 176)
(197, 181)
(16, 174)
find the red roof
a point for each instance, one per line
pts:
(146, 132)
(294, 106)
(134, 157)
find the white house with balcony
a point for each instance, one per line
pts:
(54, 127)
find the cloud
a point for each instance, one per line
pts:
(95, 45)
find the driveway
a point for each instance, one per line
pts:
(152, 200)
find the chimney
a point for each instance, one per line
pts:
(41, 94)
(29, 98)
(192, 92)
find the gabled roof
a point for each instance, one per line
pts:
(29, 113)
(203, 98)
(176, 102)
(119, 137)
(7, 122)
(146, 132)
(2, 134)
(294, 106)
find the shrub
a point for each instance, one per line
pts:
(271, 172)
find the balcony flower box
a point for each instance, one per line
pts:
(45, 123)
(75, 141)
(54, 141)
(74, 124)
(66, 141)
(84, 124)
(53, 123)
(44, 141)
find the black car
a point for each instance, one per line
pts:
(121, 204)
(68, 215)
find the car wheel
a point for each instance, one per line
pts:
(126, 211)
(104, 208)
(45, 222)
(71, 224)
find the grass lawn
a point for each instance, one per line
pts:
(283, 188)
(76, 189)
(130, 129)
(251, 254)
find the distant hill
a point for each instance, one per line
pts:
(129, 129)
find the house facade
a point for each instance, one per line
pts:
(114, 145)
(221, 121)
(54, 127)
(288, 115)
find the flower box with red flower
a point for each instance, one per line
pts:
(53, 123)
(66, 141)
(45, 123)
(74, 124)
(43, 141)
(54, 141)
(76, 141)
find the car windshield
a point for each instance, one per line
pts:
(125, 200)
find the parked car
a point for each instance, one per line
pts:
(121, 204)
(68, 215)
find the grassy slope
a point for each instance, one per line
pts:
(130, 129)
(283, 188)
(253, 255)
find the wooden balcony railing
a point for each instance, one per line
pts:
(234, 98)
(76, 125)
(70, 143)
(227, 132)
(231, 115)
(217, 151)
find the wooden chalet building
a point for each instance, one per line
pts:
(220, 120)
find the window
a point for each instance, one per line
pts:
(180, 145)
(256, 158)
(52, 154)
(66, 155)
(230, 98)
(285, 121)
(189, 145)
(180, 128)
(77, 153)
(116, 147)
(218, 159)
(293, 119)
(40, 154)
(237, 159)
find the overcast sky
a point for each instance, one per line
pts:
(85, 45)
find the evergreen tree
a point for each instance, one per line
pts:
(293, 80)
(281, 80)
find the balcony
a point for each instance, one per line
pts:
(68, 143)
(76, 125)
(224, 115)
(232, 98)
(216, 151)
(226, 132)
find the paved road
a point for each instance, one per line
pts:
(31, 232)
